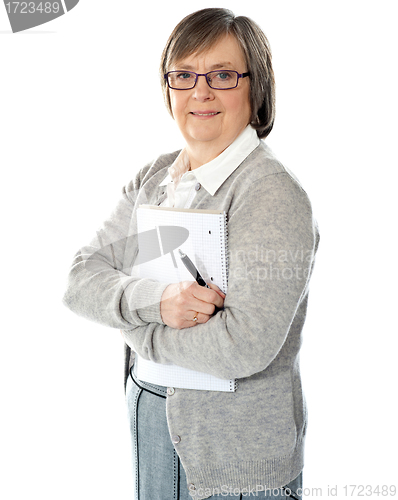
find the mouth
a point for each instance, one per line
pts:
(209, 113)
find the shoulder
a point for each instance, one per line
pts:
(152, 173)
(267, 199)
(272, 189)
(262, 172)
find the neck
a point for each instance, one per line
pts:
(200, 156)
(201, 152)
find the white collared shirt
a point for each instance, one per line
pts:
(181, 182)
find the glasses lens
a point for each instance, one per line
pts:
(181, 79)
(222, 79)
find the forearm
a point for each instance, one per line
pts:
(110, 297)
(237, 342)
(100, 285)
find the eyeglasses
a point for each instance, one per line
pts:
(219, 80)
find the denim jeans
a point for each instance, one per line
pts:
(158, 473)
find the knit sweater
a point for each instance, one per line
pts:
(255, 435)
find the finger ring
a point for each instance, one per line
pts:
(195, 318)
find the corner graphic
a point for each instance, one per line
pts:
(25, 15)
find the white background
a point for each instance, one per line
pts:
(81, 112)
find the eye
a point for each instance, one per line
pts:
(224, 75)
(184, 76)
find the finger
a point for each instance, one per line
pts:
(208, 295)
(201, 292)
(216, 289)
(200, 318)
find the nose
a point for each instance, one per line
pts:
(202, 91)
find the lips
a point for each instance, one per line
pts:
(205, 113)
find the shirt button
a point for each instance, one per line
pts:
(198, 186)
(175, 439)
(170, 391)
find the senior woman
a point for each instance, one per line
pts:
(219, 88)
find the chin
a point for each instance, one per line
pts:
(204, 138)
(204, 135)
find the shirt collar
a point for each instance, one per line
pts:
(213, 174)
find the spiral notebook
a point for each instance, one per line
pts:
(203, 236)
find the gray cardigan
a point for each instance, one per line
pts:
(254, 436)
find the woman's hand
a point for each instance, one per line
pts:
(182, 302)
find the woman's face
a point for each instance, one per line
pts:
(208, 117)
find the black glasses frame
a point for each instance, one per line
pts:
(240, 75)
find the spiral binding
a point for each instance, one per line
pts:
(233, 384)
(224, 256)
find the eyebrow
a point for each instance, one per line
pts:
(214, 66)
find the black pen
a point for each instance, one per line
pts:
(192, 269)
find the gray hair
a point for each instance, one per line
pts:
(199, 31)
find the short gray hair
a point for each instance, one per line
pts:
(199, 31)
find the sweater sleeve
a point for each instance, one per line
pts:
(100, 286)
(272, 243)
